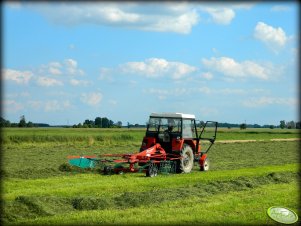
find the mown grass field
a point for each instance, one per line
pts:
(245, 179)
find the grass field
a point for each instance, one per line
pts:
(244, 180)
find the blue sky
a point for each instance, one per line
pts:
(235, 62)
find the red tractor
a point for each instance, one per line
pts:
(177, 135)
(171, 144)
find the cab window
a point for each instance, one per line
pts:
(188, 128)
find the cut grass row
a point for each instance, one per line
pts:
(145, 194)
(43, 160)
(233, 208)
(98, 185)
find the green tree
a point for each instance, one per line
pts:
(4, 123)
(105, 122)
(282, 124)
(30, 124)
(243, 126)
(98, 122)
(119, 124)
(291, 125)
(22, 122)
(88, 123)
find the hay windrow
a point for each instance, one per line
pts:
(28, 207)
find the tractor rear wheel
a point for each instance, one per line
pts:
(186, 162)
(206, 164)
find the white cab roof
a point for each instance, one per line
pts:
(173, 115)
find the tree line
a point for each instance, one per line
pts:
(22, 123)
(104, 122)
(282, 124)
(99, 123)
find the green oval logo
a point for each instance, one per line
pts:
(282, 215)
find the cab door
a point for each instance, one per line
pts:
(208, 133)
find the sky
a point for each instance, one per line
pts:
(63, 63)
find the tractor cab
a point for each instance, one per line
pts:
(171, 131)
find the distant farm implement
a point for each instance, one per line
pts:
(171, 145)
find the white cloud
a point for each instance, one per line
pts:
(163, 17)
(280, 8)
(205, 90)
(164, 93)
(55, 105)
(156, 67)
(274, 38)
(178, 17)
(91, 99)
(13, 4)
(232, 68)
(232, 91)
(70, 63)
(71, 46)
(133, 83)
(71, 67)
(244, 5)
(207, 111)
(181, 23)
(219, 15)
(52, 105)
(35, 104)
(45, 81)
(207, 75)
(54, 68)
(113, 102)
(106, 74)
(263, 101)
(20, 77)
(49, 105)
(54, 71)
(17, 95)
(12, 106)
(76, 82)
(66, 67)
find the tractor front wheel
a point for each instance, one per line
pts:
(186, 162)
(205, 165)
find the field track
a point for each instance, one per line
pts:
(246, 141)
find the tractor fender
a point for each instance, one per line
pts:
(202, 159)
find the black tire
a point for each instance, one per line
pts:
(186, 163)
(206, 164)
(107, 170)
(152, 170)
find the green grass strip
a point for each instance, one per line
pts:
(232, 208)
(99, 185)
